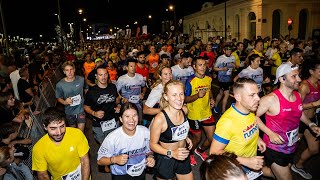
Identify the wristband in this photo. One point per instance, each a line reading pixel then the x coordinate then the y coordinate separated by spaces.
pixel 111 160
pixel 312 124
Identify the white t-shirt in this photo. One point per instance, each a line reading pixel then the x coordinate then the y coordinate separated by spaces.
pixel 154 96
pixel 181 74
pixel 14 77
pixel 136 146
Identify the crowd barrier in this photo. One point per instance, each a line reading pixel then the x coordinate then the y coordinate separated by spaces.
pixel 33 127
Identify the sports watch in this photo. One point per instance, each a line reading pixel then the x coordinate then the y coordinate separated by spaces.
pixel 169 153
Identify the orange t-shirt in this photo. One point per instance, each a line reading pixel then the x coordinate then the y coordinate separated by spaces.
pixel 112 73
pixel 88 67
pixel 153 62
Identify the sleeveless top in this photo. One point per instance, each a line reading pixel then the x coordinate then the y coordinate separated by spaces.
pixel 286 123
pixel 313 95
pixel 174 133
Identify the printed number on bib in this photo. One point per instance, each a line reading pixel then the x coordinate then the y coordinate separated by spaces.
pixel 180 132
pixel 136 169
pixel 76 100
pixel 74 175
pixel 108 125
pixel 293 136
pixel 134 99
pixel 229 72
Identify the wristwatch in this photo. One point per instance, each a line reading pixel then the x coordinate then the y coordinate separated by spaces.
pixel 169 153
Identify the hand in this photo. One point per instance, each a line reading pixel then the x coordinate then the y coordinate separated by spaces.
pixel 124 100
pixel 212 103
pixel 121 159
pixel 99 114
pixel 2 171
pixel 255 163
pixel 316 130
pixel 267 80
pixel 68 101
pixel 141 96
pixel 180 154
pixel 225 68
pixel 275 138
pixel 261 145
pixel 189 143
pixel 316 103
pixel 117 108
pixel 202 93
pixel 150 162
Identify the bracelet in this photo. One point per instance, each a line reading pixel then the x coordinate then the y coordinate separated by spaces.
pixel 312 124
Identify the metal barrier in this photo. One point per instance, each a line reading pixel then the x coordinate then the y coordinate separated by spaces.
pixel 33 128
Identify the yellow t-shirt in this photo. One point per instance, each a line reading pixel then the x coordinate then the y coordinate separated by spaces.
pixel 200 108
pixel 60 159
pixel 239 132
pixel 277 61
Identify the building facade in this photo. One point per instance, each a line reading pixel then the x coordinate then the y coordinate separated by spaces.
pixel 254 18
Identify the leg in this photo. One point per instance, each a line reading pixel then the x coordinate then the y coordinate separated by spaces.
pixel 218 98
pixel 209 130
pixel 81 126
pixel 313 148
pixel 225 100
pixel 185 176
pixel 281 173
pixel 196 138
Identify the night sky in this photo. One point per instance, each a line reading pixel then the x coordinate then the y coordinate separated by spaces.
pixel 33 17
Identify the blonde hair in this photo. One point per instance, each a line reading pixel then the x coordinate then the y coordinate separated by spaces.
pixel 163 102
pixel 159 73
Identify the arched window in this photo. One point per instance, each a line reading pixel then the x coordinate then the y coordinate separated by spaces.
pixel 303 19
pixel 276 18
pixel 252 25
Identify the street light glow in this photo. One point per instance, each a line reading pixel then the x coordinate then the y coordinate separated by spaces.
pixel 80 11
pixel 84 19
pixel 149 16
pixel 171 7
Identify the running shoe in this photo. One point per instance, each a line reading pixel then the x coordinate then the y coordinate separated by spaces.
pixel 193 161
pixel 202 155
pixel 301 171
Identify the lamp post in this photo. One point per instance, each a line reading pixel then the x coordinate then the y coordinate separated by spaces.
pixel 4 29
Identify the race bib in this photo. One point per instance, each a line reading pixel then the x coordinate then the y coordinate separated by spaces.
pixel 293 136
pixel 108 125
pixel 229 72
pixel 252 174
pixel 74 175
pixel 180 132
pixel 134 99
pixel 76 100
pixel 154 65
pixel 242 63
pixel 136 169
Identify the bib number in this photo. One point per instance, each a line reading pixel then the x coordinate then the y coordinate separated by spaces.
pixel 134 99
pixel 76 100
pixel 136 169
pixel 229 72
pixel 180 132
pixel 74 175
pixel 293 136
pixel 108 125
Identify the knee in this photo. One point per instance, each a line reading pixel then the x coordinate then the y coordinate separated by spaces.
pixel 313 150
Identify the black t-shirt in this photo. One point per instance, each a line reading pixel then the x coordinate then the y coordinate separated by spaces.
pixel 91 76
pixel 23 85
pixel 102 99
pixel 7 115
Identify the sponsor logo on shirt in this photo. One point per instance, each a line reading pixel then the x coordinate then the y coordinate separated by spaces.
pixel 250 131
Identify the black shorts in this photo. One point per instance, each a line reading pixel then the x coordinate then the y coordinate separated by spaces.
pixel 195 126
pixel 127 177
pixel 303 127
pixel 281 159
pixel 76 118
pixel 167 168
pixel 225 86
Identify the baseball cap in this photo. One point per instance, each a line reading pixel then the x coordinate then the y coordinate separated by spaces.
pixel 98 59
pixel 284 69
pixel 164 56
